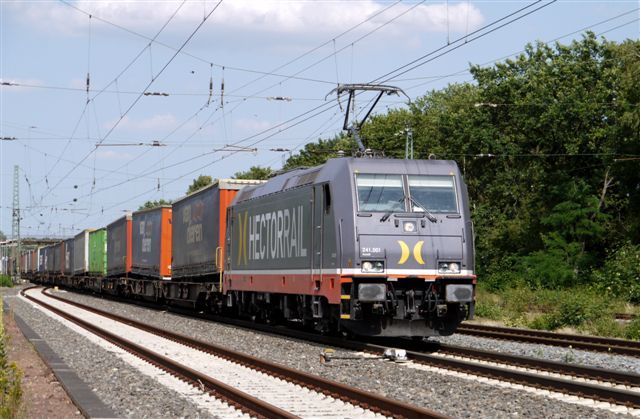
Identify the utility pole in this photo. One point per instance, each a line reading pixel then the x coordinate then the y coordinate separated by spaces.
pixel 15 227
pixel 408 145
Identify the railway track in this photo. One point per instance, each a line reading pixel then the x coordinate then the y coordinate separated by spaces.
pixel 253 386
pixel 589 343
pixel 610 386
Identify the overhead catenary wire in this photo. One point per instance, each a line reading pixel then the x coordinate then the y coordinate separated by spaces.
pixel 433 79
pixel 321 105
pixel 458 42
pixel 115 125
pixel 505 104
pixel 106 86
pixel 186 53
pixel 314 49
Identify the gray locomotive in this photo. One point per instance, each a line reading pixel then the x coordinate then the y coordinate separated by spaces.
pixel 372 246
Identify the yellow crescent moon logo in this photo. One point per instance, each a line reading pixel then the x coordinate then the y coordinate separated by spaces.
pixel 405 252
pixel 417 252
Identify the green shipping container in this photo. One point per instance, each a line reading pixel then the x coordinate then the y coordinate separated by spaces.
pixel 98 252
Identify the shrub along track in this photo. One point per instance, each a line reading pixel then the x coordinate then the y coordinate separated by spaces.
pixel 240 400
pixel 603 384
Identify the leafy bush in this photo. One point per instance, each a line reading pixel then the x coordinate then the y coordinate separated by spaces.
pixel 620 275
pixel 575 308
pixel 489 310
pixel 632 331
pixel 5 281
pixel 604 326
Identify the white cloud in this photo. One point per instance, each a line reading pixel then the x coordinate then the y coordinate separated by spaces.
pixel 112 155
pixel 161 122
pixel 250 125
pixel 303 18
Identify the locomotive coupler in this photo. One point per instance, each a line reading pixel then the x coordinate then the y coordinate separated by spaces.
pixel 441 309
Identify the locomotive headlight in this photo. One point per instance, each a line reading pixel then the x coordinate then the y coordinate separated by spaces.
pixel 459 293
pixel 448 268
pixel 409 226
pixel 372 292
pixel 372 266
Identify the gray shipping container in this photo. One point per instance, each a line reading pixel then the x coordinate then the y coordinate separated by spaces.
pixel 68 256
pixel 151 242
pixel 117 244
pixel 42 259
pixel 49 259
pixel 81 252
pixel 198 220
pixel 57 258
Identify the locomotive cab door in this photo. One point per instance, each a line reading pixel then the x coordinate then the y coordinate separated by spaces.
pixel 317 234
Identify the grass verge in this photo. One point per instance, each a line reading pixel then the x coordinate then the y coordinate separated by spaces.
pixel 10 381
pixel 581 309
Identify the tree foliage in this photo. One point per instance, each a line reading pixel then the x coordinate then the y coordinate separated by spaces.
pixel 317 153
pixel 199 183
pixel 3 237
pixel 154 204
pixel 255 172
pixel 549 144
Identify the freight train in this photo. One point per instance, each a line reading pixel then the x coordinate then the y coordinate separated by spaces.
pixel 376 247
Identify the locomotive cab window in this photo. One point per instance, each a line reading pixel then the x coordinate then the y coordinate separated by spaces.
pixel 380 193
pixel 436 193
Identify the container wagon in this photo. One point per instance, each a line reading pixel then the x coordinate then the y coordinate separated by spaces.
pixel 151 243
pixel 98 252
pixel 199 229
pixel 119 248
pixel 81 252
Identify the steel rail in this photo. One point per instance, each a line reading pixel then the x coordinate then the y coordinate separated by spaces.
pixel 334 389
pixel 566 386
pixel 591 343
pixel 237 398
pixel 597 374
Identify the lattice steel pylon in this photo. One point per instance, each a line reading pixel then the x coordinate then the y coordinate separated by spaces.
pixel 15 226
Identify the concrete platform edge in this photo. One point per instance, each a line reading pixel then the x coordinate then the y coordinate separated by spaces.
pixel 85 400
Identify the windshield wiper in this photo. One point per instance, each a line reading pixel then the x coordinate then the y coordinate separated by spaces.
pixel 430 216
pixel 386 216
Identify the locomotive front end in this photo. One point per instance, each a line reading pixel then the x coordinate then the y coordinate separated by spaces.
pixel 412 269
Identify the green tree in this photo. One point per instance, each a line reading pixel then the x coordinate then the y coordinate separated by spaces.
pixel 199 183
pixel 255 172
pixel 314 154
pixel 154 204
pixel 548 143
pixel 3 237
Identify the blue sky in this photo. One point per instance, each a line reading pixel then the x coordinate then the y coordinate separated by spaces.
pixel 80 161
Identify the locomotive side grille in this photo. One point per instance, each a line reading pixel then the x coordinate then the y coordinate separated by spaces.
pixel 307 178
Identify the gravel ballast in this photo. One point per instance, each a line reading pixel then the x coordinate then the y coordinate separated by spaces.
pixel 446 394
pixel 551 353
pixel 122 387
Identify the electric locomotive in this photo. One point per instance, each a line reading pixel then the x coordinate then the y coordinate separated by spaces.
pixel 377 247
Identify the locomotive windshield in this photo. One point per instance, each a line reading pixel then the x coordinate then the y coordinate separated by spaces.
pixel 380 192
pixel 435 193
